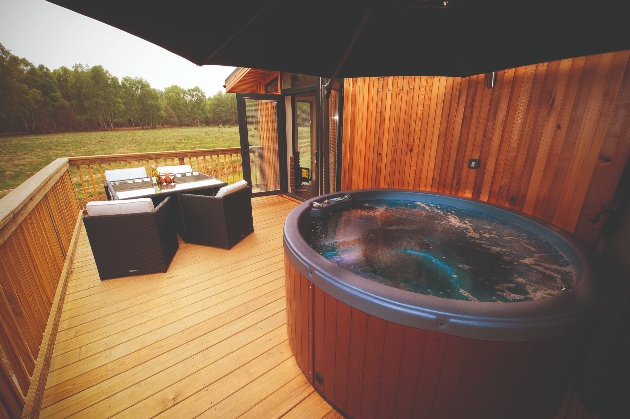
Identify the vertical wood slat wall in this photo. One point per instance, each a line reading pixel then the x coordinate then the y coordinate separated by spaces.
pixel 553 138
pixel 33 247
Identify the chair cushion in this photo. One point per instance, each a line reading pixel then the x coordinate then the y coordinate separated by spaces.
pixel 183 168
pixel 121 206
pixel 226 190
pixel 124 174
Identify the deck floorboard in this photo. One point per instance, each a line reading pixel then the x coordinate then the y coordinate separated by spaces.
pixel 206 339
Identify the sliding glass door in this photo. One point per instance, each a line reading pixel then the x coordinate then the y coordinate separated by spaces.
pixel 261 128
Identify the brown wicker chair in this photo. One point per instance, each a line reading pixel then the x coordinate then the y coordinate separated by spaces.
pixel 218 221
pixel 122 174
pixel 133 244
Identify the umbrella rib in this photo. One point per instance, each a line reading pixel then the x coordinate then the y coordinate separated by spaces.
pixel 345 55
pixel 240 30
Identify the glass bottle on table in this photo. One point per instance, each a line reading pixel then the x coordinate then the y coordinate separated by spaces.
pixel 154 175
pixel 156 178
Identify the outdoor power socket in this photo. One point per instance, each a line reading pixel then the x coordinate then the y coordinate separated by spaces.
pixel 474 164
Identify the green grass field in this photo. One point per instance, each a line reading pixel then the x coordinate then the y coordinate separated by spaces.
pixel 25 155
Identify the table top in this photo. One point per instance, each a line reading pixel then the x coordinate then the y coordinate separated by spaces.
pixel 141 188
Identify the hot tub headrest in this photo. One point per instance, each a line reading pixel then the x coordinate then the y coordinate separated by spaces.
pixel 325 207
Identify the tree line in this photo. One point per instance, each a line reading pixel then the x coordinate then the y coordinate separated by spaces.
pixel 34 99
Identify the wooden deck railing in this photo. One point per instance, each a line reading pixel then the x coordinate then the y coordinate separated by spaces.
pixel 88 172
pixel 38 228
pixel 39 223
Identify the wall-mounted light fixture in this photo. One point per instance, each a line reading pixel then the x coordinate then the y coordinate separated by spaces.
pixel 442 4
pixel 490 79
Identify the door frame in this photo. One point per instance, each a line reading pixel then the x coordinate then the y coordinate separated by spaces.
pixel 325 140
pixel 282 140
pixel 315 126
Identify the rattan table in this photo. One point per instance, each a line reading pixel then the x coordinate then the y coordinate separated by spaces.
pixel 143 188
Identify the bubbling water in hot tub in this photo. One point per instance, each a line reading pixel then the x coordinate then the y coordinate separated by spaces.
pixel 444 251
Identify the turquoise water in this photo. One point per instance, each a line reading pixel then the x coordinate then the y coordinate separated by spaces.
pixel 442 251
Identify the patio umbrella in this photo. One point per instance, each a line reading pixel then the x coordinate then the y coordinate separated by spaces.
pixel 354 38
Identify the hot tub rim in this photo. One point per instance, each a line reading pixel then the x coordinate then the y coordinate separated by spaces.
pixel 517 321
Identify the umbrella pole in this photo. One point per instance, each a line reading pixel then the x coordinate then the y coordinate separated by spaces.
pixel 328 87
pixel 216 51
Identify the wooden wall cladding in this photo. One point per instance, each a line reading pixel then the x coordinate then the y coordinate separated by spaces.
pixel 374 368
pixel 553 138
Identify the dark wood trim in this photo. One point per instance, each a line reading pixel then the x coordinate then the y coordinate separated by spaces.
pixel 325 146
pixel 242 129
pixel 282 145
pixel 339 161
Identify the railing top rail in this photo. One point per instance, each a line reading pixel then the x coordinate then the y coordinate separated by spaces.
pixel 153 155
pixel 16 205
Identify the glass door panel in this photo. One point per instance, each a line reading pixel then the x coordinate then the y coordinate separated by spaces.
pixel 305 145
pixel 262 141
pixel 304 139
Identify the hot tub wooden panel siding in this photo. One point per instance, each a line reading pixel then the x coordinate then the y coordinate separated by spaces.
pixel 374 368
pixel 299 295
pixel 553 138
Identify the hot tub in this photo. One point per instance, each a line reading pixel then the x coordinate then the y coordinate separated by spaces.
pixel 409 304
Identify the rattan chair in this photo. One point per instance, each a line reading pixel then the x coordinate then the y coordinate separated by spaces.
pixel 123 174
pixel 182 168
pixel 133 244
pixel 218 221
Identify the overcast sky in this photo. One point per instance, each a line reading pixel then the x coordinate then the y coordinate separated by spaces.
pixel 47 34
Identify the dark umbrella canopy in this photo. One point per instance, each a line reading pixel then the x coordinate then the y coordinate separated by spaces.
pixel 377 38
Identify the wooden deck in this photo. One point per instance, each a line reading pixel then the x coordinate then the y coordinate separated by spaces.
pixel 208 338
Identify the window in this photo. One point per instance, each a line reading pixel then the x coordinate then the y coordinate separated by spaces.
pixel 293 81
pixel 272 86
